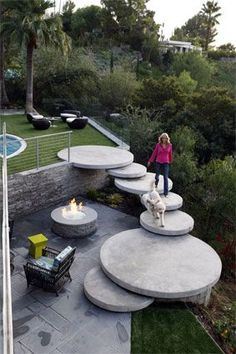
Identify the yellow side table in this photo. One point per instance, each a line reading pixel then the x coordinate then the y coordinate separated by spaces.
pixel 37 243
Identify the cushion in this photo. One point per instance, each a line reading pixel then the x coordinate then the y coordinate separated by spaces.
pixel 61 256
pixel 44 262
pixel 37 116
pixel 70 120
pixel 68 115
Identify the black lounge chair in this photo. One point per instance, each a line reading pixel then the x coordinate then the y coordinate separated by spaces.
pixel 41 123
pixel 71 111
pixel 31 116
pixel 77 123
pixel 51 271
pixel 66 115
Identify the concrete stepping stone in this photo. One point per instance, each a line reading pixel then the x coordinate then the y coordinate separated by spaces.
pixel 97 157
pixel 176 223
pixel 172 202
pixel 141 185
pixel 134 170
pixel 161 267
pixel 102 292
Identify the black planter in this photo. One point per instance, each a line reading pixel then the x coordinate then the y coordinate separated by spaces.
pixel 77 123
pixel 41 123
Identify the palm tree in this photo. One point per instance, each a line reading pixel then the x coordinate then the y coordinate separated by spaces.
pixel 210 13
pixel 28 24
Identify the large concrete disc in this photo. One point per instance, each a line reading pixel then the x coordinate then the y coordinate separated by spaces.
pixel 103 292
pixel 97 157
pixel 172 202
pixel 176 223
pixel 134 170
pixel 141 185
pixel 161 267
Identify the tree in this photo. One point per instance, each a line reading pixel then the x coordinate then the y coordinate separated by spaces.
pixel 210 14
pixel 228 46
pixel 193 31
pixel 67 13
pixel 201 28
pixel 197 65
pixel 28 24
pixel 135 23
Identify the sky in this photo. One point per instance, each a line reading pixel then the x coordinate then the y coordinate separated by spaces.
pixel 174 13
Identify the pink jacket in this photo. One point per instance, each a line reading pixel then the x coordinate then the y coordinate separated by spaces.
pixel 161 154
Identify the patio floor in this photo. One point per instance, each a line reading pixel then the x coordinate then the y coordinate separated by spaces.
pixel 69 323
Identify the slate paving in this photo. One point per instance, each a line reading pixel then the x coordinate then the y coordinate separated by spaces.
pixel 69 323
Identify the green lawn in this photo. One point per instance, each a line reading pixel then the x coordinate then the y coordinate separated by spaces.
pixel 48 146
pixel 169 328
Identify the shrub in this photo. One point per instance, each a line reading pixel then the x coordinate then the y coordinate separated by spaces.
pixel 155 93
pixel 198 66
pixel 144 133
pixel 117 89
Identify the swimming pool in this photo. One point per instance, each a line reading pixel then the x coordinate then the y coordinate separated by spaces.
pixel 15 145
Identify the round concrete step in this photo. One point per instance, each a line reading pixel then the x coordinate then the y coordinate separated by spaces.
pixel 102 292
pixel 161 267
pixel 134 170
pixel 141 185
pixel 177 223
pixel 97 157
pixel 172 202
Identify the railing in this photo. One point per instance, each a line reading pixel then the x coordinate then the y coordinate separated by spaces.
pixel 6 270
pixel 40 151
pixel 119 126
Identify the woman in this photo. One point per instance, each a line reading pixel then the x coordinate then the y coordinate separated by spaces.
pixel 162 157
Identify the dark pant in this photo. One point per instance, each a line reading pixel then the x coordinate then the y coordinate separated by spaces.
pixel 165 171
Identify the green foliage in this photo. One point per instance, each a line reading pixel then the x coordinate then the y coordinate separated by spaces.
pixel 117 89
pixel 184 169
pixel 144 133
pixel 214 113
pixel 210 13
pixel 135 24
pixel 156 93
pixel 199 67
pixel 224 76
pixel 115 199
pixel 187 83
pixel 74 79
pixel 192 31
pixel 221 53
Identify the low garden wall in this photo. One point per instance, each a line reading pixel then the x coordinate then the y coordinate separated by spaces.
pixel 37 189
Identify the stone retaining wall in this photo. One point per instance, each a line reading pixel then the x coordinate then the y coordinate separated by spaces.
pixel 37 189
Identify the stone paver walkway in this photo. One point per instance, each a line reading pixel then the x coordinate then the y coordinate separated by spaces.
pixel 45 323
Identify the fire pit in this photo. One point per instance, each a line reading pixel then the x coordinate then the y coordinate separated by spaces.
pixel 74 221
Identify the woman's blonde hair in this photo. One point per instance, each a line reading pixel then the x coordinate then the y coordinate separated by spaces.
pixel 164 135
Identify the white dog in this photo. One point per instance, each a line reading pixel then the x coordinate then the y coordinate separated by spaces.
pixel 154 204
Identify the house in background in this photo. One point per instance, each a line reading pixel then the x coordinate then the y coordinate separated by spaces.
pixel 179 46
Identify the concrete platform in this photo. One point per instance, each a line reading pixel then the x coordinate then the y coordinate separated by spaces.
pixel 97 157
pixel 160 267
pixel 135 170
pixel 141 185
pixel 102 292
pixel 173 202
pixel 177 223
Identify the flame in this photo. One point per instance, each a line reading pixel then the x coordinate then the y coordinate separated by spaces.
pixel 74 207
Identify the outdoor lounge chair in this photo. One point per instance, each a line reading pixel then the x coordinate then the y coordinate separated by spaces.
pixel 31 116
pixel 50 271
pixel 71 111
pixel 77 123
pixel 41 123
